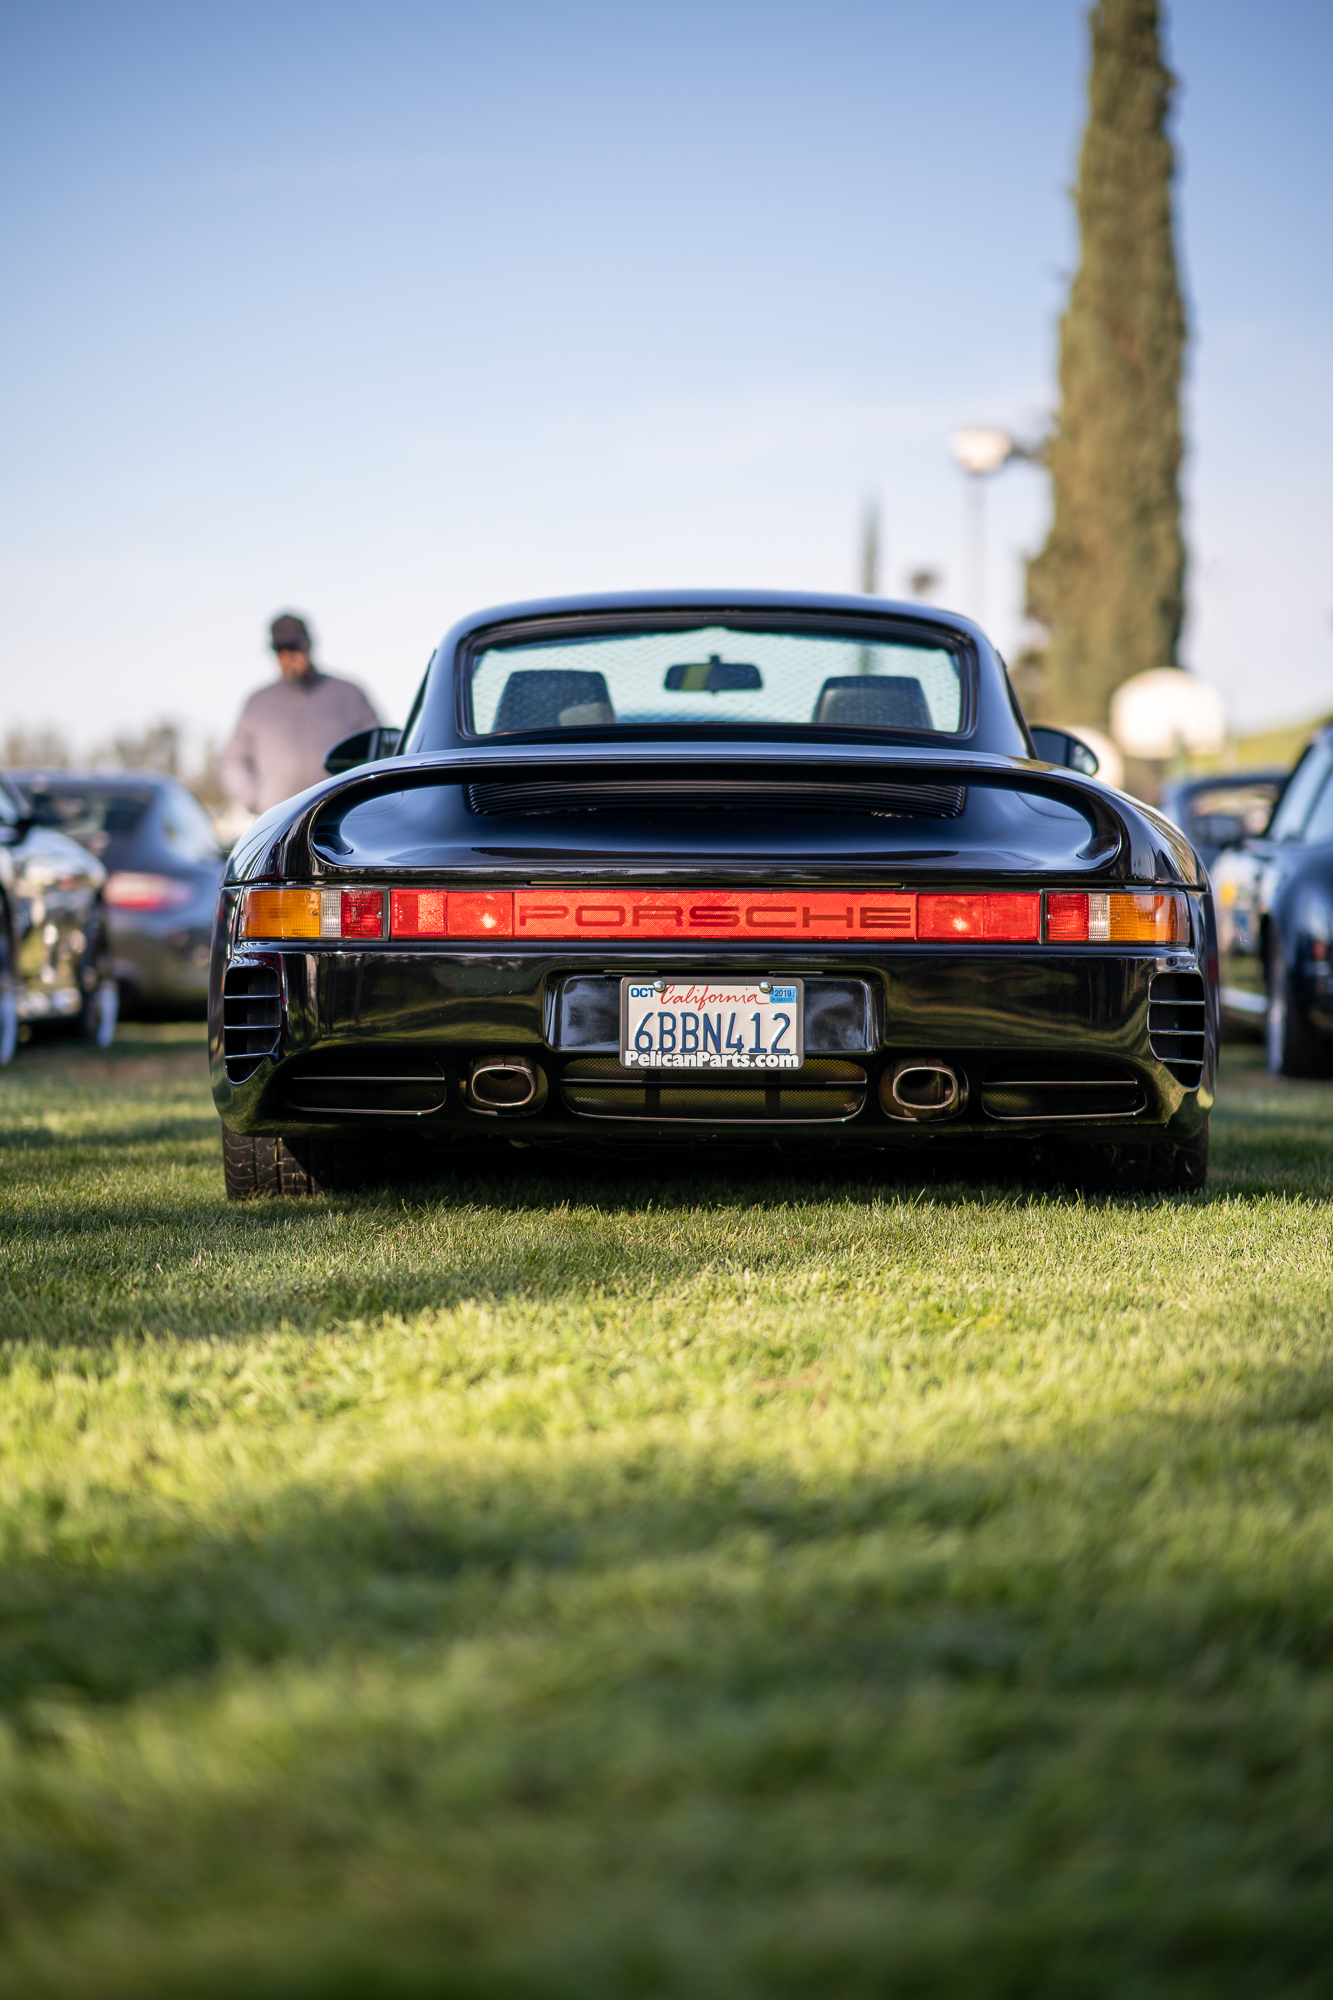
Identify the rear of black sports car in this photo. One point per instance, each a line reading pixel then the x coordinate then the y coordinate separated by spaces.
pixel 706 872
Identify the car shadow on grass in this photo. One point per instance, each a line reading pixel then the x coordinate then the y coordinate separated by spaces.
pixel 801 1721
pixel 485 1541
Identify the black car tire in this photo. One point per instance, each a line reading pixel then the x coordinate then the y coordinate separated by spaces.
pixel 101 1014
pixel 9 1006
pixel 265 1163
pixel 1291 1045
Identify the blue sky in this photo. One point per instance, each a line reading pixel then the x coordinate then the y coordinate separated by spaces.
pixel 385 313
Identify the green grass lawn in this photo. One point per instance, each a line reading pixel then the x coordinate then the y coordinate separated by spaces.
pixel 583 1581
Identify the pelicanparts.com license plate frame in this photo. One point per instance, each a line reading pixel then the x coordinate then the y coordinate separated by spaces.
pixel 767 1047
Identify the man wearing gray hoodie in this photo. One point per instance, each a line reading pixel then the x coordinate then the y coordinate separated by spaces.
pixel 287 729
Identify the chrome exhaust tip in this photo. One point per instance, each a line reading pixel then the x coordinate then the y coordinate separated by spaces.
pixel 922 1088
pixel 497 1085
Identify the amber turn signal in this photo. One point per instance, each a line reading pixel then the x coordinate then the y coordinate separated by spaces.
pixel 281 913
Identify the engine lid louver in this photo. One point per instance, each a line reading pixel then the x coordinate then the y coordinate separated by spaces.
pixel 715 793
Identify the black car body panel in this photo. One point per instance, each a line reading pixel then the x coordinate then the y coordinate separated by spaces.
pixel 14 824
pixel 1090 1041
pixel 1223 810
pixel 1275 921
pixel 163 868
pixel 57 925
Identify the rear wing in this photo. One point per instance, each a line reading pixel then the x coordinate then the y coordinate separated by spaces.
pixel 1125 837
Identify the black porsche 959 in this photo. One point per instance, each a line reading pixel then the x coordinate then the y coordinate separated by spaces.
pixel 712 870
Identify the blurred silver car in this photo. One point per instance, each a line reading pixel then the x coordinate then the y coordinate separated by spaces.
pixel 58 943
pixel 163 866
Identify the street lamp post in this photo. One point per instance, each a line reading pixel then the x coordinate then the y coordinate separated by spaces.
pixel 981 451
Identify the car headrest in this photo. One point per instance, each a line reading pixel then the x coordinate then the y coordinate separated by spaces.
pixel 540 698
pixel 873 701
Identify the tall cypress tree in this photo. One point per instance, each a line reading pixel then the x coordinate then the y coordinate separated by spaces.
pixel 1109 583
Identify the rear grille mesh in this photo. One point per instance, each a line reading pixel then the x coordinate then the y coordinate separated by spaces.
pixel 826 1093
pixel 715 794
pixel 1178 1024
pixel 1050 1087
pixel 251 1018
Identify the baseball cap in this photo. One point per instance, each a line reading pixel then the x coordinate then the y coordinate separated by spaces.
pixel 289 634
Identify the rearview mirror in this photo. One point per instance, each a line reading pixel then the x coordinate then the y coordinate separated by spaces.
pixel 364 748
pixel 713 676
pixel 1057 746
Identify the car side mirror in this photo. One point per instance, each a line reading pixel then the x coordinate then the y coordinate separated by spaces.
pixel 1223 829
pixel 1058 746
pixel 363 748
pixel 13 832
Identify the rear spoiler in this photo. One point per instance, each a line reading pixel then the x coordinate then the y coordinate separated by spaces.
pixel 1148 848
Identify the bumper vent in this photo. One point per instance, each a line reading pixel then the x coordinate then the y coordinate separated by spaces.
pixel 251 1018
pixel 407 1088
pixel 714 794
pixel 1051 1087
pixel 820 1093
pixel 1178 1024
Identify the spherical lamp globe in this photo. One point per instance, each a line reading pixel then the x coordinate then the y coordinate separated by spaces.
pixel 1166 710
pixel 981 449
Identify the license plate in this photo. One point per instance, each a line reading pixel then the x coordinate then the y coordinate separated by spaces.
pixel 714 1024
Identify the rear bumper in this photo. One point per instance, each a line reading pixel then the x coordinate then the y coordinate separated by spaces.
pixel 162 956
pixel 992 1013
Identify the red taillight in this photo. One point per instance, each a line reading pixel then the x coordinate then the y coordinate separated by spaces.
pixel 481 913
pixel 459 913
pixel 994 918
pixel 362 913
pixel 1131 917
pixel 418 913
pixel 1066 919
pixel 126 890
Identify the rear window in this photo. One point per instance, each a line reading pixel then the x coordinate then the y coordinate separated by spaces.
pixel 91 816
pixel 1293 808
pixel 1231 811
pixel 187 828
pixel 716 675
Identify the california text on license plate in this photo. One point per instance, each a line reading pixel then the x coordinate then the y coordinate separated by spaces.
pixel 720 1024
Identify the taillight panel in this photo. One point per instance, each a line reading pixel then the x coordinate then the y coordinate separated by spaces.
pixel 1052 917
pixel 1131 917
pixel 129 889
pixel 988 918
